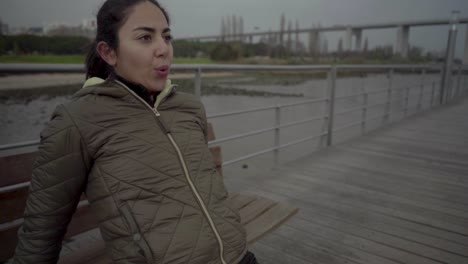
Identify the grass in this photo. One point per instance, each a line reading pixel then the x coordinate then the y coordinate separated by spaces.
pixel 211 88
pixel 78 59
pixel 193 61
pixel 42 58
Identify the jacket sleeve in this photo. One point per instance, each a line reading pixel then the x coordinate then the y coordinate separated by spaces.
pixel 59 177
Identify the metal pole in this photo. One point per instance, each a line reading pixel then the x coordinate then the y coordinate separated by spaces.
pixel 277 133
pixel 331 103
pixel 432 94
pixel 457 92
pixel 423 77
pixel 406 101
pixel 198 82
pixel 364 114
pixel 447 72
pixel 389 96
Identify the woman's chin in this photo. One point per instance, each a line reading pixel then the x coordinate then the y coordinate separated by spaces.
pixel 157 86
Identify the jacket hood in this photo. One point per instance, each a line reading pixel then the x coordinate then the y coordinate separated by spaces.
pixel 116 89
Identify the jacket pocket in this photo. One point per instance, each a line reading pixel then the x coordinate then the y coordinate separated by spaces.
pixel 136 234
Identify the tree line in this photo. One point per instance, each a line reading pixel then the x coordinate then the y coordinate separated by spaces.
pixel 217 51
pixel 32 44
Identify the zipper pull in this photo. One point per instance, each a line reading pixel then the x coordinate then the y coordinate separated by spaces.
pixel 156 112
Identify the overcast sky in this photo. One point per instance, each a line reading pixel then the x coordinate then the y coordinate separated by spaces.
pixel 202 17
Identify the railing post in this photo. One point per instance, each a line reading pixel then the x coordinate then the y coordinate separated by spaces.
pixel 406 101
pixel 331 103
pixel 433 94
pixel 457 92
pixel 364 113
pixel 464 87
pixel 445 94
pixel 423 77
pixel 277 133
pixel 198 82
pixel 388 109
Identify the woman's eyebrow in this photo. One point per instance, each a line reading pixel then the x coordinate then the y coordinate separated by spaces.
pixel 151 30
pixel 148 29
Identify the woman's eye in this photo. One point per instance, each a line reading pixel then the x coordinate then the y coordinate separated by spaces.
pixel 168 38
pixel 146 37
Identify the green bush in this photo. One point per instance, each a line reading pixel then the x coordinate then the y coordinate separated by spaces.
pixel 226 52
pixel 31 44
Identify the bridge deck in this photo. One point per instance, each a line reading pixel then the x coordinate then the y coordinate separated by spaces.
pixel 398 195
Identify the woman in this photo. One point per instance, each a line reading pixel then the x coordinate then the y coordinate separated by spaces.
pixel 138 149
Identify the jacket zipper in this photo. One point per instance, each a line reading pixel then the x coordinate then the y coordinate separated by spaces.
pixel 187 174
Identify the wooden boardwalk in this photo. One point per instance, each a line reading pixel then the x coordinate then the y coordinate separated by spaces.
pixel 397 195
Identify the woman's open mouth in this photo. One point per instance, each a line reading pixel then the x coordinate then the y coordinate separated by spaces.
pixel 162 71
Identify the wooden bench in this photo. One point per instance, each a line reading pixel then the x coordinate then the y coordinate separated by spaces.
pixel 259 215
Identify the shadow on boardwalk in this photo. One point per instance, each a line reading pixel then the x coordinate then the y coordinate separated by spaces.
pixel 398 195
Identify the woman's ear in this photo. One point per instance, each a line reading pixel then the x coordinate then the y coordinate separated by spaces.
pixel 107 53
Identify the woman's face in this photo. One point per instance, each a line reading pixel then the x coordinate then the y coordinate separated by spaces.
pixel 144 52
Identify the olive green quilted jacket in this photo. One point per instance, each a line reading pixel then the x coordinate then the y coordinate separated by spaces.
pixel 147 173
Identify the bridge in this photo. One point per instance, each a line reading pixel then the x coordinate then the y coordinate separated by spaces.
pixel 384 176
pixel 402 36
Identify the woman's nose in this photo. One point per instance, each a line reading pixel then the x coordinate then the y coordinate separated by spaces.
pixel 162 48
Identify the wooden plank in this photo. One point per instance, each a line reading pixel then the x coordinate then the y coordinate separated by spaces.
pixel 16 168
pixel 373 204
pixel 385 183
pixel 217 159
pixel 314 250
pixel 268 221
pixel 240 200
pixel 267 254
pixel 393 163
pixel 12 205
pixel 83 220
pixel 423 154
pixel 382 242
pixel 211 134
pixel 92 253
pixel 360 216
pixel 351 249
pixel 432 180
pixel 255 209
pixel 351 182
pixel 436 142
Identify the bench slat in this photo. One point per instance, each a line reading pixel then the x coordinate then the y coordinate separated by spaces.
pixel 258 214
pixel 16 168
pixel 269 221
pixel 83 220
pixel 13 204
pixel 256 208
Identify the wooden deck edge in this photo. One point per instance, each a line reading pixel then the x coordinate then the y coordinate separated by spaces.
pixel 274 227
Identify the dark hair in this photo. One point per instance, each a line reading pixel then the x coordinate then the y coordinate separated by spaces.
pixel 111 16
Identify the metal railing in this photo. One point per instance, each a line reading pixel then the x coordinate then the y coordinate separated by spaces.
pixel 437 94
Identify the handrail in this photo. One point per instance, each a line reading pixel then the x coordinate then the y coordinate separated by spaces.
pixel 80 68
pixel 332 70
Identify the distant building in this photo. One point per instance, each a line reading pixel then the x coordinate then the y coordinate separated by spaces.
pixel 86 29
pixel 89 24
pixel 35 31
pixel 3 28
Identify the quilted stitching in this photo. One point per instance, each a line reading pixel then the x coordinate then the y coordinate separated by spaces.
pixel 111 189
